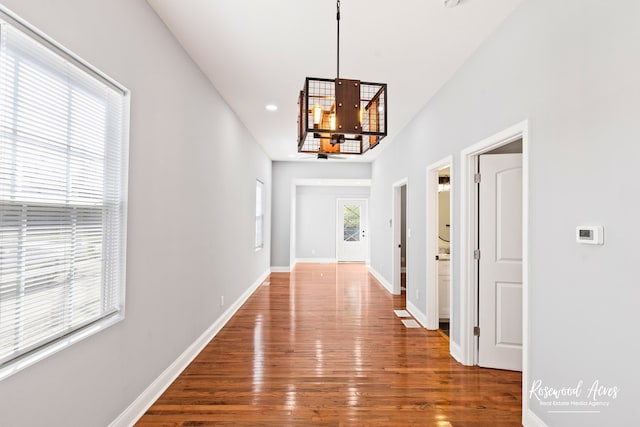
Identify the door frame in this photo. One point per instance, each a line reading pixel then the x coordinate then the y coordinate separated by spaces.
pixel 469 240
pixel 366 218
pixel 432 310
pixel 293 191
pixel 396 234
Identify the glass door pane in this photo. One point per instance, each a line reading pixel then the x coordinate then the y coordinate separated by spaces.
pixel 351 223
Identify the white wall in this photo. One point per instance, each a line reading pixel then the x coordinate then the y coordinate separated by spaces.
pixel 284 174
pixel 193 167
pixel 316 219
pixel 571 68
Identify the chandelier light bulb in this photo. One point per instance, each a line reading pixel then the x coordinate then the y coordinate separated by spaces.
pixel 317 114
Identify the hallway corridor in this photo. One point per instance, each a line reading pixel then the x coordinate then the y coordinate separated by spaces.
pixel 321 346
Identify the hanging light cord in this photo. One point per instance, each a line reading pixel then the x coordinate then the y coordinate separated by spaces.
pixel 338 38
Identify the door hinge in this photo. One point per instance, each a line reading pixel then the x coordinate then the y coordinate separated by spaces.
pixel 476 254
pixel 476 178
pixel 476 331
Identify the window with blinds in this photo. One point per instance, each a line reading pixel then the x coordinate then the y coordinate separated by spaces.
pixel 259 214
pixel 63 159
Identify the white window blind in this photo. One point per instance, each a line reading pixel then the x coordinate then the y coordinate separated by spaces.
pixel 259 214
pixel 63 148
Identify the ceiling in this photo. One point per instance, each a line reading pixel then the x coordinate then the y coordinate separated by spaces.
pixel 258 52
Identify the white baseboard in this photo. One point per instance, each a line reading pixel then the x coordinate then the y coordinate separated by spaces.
pixel 381 279
pixel 532 420
pixel 316 260
pixel 280 269
pixel 139 406
pixel 455 351
pixel 417 314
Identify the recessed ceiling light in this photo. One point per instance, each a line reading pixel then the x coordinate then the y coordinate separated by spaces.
pixel 451 3
pixel 271 107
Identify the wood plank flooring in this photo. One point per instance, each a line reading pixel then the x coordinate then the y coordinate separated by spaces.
pixel 322 346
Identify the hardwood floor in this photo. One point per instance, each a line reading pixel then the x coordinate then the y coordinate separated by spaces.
pixel 322 346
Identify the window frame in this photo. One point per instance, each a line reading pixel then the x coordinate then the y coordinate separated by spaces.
pixel 32 354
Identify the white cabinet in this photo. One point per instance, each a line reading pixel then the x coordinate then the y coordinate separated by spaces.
pixel 444 278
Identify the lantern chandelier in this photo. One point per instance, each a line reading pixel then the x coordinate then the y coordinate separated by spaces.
pixel 341 116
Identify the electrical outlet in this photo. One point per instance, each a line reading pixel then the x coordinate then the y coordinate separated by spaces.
pixel 221 300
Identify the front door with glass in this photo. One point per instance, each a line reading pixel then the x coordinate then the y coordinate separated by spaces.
pixel 351 233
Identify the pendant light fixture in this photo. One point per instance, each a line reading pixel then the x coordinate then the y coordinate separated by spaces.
pixel 444 184
pixel 341 116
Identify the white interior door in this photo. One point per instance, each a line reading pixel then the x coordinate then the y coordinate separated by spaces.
pixel 500 265
pixel 351 230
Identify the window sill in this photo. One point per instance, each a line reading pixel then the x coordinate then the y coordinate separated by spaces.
pixel 54 347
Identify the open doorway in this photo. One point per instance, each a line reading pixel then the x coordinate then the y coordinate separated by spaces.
pixel 403 242
pixel 439 249
pixel 400 236
pixel 444 249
